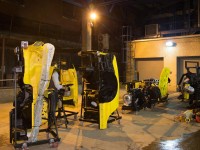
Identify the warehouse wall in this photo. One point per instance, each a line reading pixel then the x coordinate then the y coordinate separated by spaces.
pixel 186 46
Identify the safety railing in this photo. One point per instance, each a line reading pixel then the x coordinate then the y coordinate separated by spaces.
pixel 7 83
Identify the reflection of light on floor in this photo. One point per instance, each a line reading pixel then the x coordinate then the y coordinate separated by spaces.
pixel 170 145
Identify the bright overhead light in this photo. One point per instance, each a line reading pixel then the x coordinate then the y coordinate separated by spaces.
pixel 170 44
pixel 93 15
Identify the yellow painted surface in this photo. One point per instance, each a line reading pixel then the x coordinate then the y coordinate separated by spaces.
pixel 186 94
pixel 106 109
pixel 137 84
pixel 163 82
pixel 70 77
pixel 186 46
pixel 32 72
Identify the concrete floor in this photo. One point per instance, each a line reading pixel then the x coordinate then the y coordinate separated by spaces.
pixel 135 132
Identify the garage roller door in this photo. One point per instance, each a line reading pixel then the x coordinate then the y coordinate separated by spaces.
pixel 149 67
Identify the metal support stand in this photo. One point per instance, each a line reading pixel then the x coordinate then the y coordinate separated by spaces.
pixel 15 131
pixel 62 113
pixel 94 112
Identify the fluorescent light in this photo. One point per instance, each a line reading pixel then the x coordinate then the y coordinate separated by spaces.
pixel 170 44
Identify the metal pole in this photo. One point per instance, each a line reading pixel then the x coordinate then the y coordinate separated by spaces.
pixel 89 35
pixel 86 32
pixel 15 94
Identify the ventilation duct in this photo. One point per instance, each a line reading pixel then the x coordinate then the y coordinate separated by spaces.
pixel 151 30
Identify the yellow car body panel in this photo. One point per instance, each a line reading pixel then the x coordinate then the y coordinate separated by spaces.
pixel 163 82
pixel 106 109
pixel 69 76
pixel 32 73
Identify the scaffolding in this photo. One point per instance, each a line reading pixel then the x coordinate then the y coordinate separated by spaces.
pixel 127 54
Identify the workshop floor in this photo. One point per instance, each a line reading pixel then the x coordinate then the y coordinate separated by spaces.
pixel 145 130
